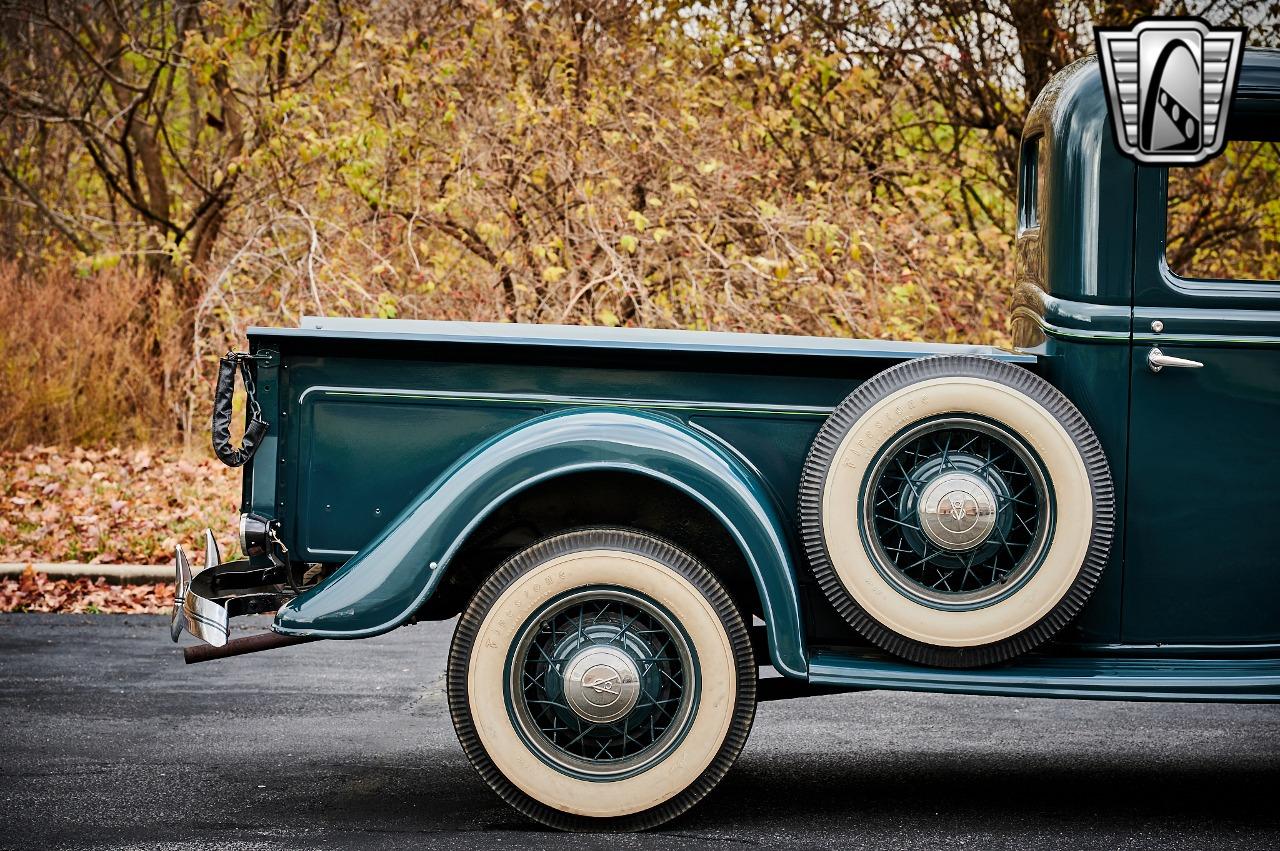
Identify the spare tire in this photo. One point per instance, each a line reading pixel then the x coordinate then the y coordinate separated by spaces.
pixel 956 510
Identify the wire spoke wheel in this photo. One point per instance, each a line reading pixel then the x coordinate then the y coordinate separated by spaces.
pixel 602 683
pixel 957 511
pixel 602 679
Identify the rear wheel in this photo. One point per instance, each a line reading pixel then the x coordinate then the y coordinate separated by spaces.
pixel 602 679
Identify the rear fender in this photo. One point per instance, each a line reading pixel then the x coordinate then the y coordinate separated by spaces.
pixel 382 586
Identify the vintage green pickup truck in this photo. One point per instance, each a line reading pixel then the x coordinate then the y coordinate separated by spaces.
pixel 643 532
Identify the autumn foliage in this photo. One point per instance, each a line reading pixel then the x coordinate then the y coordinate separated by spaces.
pixel 112 506
pixel 35 592
pixel 733 167
pixel 172 172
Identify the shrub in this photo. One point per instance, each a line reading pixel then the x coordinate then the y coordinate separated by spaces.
pixel 78 361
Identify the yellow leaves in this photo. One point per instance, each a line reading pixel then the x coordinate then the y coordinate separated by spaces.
pixel 824 237
pixel 388 306
pixel 767 209
pixel 723 196
pixel 99 262
pixel 679 189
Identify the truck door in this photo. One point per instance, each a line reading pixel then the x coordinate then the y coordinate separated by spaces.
pixel 1203 545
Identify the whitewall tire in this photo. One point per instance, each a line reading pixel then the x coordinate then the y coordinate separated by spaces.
pixel 957 511
pixel 602 680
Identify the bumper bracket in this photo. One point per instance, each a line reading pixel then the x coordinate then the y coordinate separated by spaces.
pixel 204 601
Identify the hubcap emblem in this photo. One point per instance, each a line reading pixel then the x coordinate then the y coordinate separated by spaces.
pixel 957 511
pixel 601 684
pixel 602 680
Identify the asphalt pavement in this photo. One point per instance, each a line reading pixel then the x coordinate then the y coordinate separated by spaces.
pixel 107 740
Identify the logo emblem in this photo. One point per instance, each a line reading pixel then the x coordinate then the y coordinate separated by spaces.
pixel 603 683
pixel 957 508
pixel 1169 83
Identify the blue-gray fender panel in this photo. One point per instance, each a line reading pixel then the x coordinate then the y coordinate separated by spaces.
pixel 381 586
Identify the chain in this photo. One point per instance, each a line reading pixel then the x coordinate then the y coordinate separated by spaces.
pixel 250 389
pixel 274 537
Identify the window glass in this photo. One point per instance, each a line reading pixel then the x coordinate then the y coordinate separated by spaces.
pixel 1033 177
pixel 1224 216
pixel 1042 176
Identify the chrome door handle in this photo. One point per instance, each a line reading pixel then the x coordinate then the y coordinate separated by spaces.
pixel 1158 360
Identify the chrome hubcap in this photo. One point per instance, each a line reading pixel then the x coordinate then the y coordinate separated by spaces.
pixel 601 684
pixel 957 511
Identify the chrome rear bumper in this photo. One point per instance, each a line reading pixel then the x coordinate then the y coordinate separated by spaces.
pixel 205 600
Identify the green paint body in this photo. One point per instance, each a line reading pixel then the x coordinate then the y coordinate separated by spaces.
pixel 388 447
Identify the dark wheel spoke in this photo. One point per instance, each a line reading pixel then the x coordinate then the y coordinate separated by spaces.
pixel 956 569
pixel 636 653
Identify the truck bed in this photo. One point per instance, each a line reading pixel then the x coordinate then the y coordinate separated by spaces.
pixel 365 413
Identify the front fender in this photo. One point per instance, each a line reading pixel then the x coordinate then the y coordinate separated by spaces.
pixel 381 586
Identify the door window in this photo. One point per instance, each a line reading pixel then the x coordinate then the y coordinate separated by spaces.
pixel 1223 219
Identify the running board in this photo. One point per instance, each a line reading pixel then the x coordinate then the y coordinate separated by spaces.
pixel 1085 677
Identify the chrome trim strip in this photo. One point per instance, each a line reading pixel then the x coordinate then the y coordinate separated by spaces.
pixel 1234 288
pixel 1206 340
pixel 1063 332
pixel 1210 651
pixel 1095 336
pixel 1145 338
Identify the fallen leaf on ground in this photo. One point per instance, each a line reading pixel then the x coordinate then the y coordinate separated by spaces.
pixel 71 504
pixel 36 592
